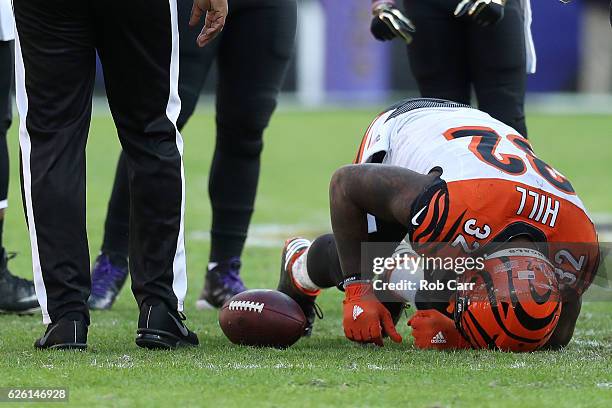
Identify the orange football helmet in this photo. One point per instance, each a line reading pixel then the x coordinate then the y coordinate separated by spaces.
pixel 514 303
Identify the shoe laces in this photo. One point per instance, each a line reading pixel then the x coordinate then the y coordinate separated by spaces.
pixel 105 275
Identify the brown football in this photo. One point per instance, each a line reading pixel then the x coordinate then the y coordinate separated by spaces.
pixel 262 318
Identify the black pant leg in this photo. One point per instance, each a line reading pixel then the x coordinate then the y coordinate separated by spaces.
pixel 438 52
pixel 139 53
pixel 253 56
pixel 7 56
pixel 498 66
pixel 195 62
pixel 55 69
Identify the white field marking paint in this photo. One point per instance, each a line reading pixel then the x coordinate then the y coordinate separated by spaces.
pixel 603 223
pixel 287 366
pixel 272 235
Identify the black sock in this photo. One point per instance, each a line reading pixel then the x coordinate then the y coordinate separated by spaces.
pixel 1 234
pixel 116 227
pixel 232 187
pixel 323 262
pixel 117 259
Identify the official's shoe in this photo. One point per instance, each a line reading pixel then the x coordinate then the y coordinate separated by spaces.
pixel 162 328
pixel 107 279
pixel 66 334
pixel 17 295
pixel 294 247
pixel 221 283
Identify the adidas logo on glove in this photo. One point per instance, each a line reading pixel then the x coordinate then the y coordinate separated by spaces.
pixel 357 310
pixel 439 339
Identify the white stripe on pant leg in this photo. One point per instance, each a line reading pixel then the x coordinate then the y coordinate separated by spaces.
pixel 179 266
pixel 26 147
pixel 529 45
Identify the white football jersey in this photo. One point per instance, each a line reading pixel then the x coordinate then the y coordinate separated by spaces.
pixel 465 143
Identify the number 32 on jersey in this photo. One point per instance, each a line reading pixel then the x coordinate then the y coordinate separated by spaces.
pixel 484 145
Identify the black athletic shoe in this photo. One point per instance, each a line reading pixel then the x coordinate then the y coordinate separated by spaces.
pixel 162 328
pixel 66 334
pixel 222 282
pixel 17 295
pixel 294 247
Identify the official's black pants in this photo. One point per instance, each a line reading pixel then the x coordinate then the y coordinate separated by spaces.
pixel 448 56
pixel 252 54
pixel 137 41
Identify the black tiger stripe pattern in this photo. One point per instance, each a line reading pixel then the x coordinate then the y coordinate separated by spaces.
pixel 495 308
pixel 436 200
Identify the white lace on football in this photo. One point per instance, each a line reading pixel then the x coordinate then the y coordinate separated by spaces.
pixel 246 305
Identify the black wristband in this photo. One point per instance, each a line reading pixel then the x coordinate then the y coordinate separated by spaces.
pixel 351 279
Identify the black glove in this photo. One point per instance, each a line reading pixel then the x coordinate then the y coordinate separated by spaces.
pixel 482 12
pixel 388 22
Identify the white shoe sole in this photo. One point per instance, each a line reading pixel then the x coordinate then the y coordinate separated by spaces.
pixel 202 304
pixel 21 312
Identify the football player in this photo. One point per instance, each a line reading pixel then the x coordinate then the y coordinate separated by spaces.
pixel 459 49
pixel 436 171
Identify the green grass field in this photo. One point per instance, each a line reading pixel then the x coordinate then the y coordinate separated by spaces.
pixel 302 150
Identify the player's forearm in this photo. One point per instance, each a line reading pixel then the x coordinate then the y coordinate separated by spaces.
pixel 349 222
pixel 387 192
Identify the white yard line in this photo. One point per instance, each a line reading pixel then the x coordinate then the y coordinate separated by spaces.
pixel 273 235
pixel 603 221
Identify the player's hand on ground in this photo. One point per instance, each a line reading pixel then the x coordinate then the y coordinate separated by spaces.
pixel 482 12
pixel 388 23
pixel 215 12
pixel 365 318
pixel 433 330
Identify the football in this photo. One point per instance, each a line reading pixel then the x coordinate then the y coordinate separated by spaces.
pixel 262 318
